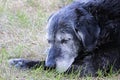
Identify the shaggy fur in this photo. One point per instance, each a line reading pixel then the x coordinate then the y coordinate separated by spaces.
pixel 83 37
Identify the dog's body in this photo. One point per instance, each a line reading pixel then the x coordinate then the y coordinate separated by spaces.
pixel 85 36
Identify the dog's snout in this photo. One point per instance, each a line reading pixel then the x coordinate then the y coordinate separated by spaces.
pixel 51 57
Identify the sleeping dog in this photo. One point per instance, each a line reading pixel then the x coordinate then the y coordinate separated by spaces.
pixel 83 37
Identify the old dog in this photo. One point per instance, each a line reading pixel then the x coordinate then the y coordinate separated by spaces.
pixel 83 37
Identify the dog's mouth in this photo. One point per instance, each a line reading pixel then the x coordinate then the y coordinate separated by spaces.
pixel 62 65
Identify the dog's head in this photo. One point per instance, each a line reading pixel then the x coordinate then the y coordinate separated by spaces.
pixel 70 30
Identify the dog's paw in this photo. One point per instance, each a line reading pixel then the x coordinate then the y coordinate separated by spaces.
pixel 18 63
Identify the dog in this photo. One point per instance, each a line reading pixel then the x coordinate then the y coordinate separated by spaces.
pixel 83 37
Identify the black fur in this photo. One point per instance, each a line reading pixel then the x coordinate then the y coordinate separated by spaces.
pixel 99 45
pixel 106 51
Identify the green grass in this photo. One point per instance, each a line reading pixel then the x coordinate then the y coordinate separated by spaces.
pixel 22 31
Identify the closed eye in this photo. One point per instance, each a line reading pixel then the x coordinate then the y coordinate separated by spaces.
pixel 65 40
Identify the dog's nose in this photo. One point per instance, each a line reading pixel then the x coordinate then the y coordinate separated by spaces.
pixel 50 63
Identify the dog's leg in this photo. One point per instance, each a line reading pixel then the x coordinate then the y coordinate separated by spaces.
pixel 26 64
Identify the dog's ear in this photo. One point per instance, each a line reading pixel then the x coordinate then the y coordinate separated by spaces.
pixel 87 30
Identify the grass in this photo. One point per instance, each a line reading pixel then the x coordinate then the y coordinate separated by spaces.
pixel 22 31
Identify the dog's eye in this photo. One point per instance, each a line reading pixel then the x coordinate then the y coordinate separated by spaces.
pixel 64 40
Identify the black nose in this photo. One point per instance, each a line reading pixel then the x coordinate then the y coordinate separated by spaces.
pixel 50 63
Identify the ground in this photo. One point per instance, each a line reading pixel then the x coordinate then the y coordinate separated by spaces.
pixel 22 35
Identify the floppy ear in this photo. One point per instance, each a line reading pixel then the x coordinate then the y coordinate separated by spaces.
pixel 87 30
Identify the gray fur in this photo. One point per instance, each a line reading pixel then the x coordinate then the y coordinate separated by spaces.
pixel 83 37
